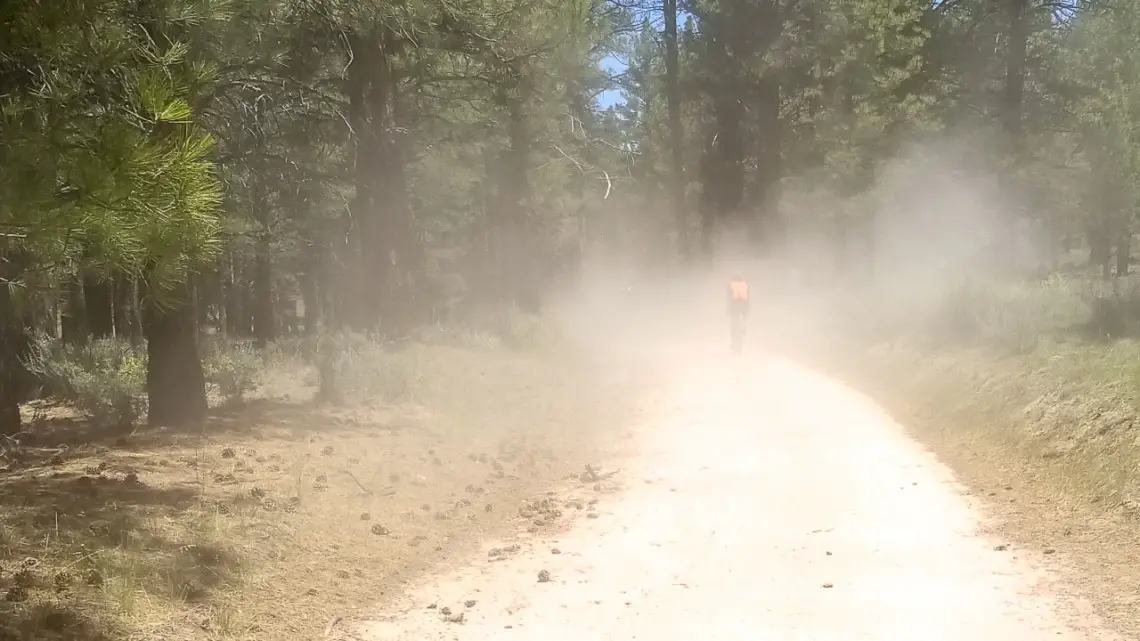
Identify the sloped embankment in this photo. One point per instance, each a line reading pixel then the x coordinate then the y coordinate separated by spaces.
pixel 1050 439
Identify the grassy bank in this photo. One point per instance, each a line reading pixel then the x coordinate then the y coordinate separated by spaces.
pixel 1067 410
pixel 1045 371
pixel 296 505
pixel 1030 401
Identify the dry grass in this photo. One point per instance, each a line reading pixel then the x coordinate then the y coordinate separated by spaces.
pixel 1069 408
pixel 283 514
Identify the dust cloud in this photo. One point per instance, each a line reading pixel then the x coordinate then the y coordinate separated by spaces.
pixel 936 219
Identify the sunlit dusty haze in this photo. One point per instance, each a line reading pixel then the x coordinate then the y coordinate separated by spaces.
pixel 569 320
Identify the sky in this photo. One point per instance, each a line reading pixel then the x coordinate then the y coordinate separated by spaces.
pixel 613 66
pixel 607 99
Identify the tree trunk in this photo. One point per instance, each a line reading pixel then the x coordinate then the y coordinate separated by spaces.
pixel 1100 248
pixel 175 382
pixel 364 252
pixel 707 201
pixel 13 349
pixel 126 309
pixel 98 298
pixel 264 320
pixel 213 299
pixel 1012 108
pixel 764 224
pixel 769 166
pixel 676 132
pixel 516 245
pixel 246 318
pixel 311 299
pixel 74 327
pixel 1013 99
pixel 1123 252
pixel 235 300
pixel 729 184
pixel 264 317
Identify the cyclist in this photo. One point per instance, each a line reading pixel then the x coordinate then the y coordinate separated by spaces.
pixel 737 309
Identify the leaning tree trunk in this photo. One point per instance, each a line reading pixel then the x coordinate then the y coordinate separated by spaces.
pixel 175 382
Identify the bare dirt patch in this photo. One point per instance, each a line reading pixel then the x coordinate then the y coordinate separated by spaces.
pixel 283 516
pixel 1045 441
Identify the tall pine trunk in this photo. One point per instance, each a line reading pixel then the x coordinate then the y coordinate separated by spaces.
pixel 13 349
pixel 360 298
pixel 264 319
pixel 235 300
pixel 1013 98
pixel 1017 14
pixel 766 226
pixel 128 322
pixel 1123 250
pixel 309 284
pixel 73 316
pixel 175 382
pixel 381 251
pixel 98 298
pixel 676 131
pixel 514 244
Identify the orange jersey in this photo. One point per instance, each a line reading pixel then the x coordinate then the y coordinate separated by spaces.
pixel 738 289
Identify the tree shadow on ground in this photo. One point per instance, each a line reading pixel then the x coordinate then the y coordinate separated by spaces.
pixel 52 620
pixel 68 501
pixel 75 544
pixel 265 420
pixel 48 442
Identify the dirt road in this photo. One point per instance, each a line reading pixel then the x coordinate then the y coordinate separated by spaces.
pixel 767 502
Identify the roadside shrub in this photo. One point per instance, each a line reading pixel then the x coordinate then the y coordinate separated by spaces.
pixel 463 337
pixel 105 378
pixel 354 367
pixel 1012 316
pixel 233 368
pixel 518 330
pixel 334 354
pixel 287 351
